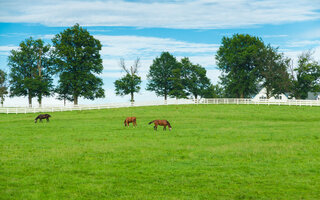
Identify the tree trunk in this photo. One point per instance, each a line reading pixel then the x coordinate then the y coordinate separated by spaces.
pixel 75 101
pixel 64 101
pixel 30 100
pixel 40 101
pixel 165 96
pixel 241 95
pixel 268 93
pixel 132 98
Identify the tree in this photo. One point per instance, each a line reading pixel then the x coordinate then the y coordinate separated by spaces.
pixel 178 88
pixel 195 78
pixel 63 88
pixel 306 77
pixel 77 61
pixel 3 86
pixel 160 76
pixel 213 91
pixel 274 73
pixel 30 70
pixel 130 83
pixel 240 58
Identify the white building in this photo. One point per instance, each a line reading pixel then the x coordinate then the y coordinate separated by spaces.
pixel 262 95
pixel 313 96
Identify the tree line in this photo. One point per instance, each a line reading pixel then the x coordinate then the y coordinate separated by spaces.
pixel 246 62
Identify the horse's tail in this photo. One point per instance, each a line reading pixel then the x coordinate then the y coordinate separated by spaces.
pixel 151 122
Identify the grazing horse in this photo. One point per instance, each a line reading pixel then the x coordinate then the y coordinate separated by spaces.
pixel 41 117
pixel 164 123
pixel 129 120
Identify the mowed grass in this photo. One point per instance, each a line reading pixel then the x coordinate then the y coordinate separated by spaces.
pixel 213 152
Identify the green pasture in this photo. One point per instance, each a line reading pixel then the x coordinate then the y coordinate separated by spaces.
pixel 212 152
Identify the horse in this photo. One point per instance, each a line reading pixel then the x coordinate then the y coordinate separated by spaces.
pixel 129 120
pixel 164 123
pixel 41 117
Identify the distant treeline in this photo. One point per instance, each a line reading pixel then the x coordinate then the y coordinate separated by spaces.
pixel 246 62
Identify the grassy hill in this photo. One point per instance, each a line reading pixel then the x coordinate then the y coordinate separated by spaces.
pixel 213 152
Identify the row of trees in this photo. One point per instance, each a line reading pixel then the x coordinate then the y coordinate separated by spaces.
pixel 74 57
pixel 167 77
pixel 247 65
pixel 246 62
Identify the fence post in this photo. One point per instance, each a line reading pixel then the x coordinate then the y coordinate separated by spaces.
pixel 7 110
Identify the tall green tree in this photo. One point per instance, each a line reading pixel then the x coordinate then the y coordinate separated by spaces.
pixel 178 87
pixel 63 89
pixel 195 78
pixel 77 62
pixel 160 75
pixel 240 58
pixel 274 73
pixel 3 86
pixel 30 70
pixel 130 83
pixel 306 76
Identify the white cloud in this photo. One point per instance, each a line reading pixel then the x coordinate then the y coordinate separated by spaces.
pixel 303 43
pixel 138 46
pixel 200 14
pixel 4 50
pixel 274 36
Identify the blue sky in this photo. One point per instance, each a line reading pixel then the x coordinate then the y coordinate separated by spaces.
pixel 145 28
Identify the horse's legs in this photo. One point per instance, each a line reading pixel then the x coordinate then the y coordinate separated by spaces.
pixel 48 119
pixel 165 127
pixel 40 120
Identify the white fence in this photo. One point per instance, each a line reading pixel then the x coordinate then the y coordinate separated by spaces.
pixel 17 110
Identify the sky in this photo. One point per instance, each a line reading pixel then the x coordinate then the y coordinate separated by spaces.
pixel 145 28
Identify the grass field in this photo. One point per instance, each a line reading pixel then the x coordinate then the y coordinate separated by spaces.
pixel 213 152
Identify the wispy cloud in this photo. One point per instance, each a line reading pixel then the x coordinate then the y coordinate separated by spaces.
pixel 133 46
pixel 274 36
pixel 4 50
pixel 200 14
pixel 303 43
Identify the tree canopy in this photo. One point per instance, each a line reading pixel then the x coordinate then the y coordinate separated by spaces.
pixel 130 83
pixel 160 76
pixel 78 62
pixel 3 86
pixel 195 78
pixel 30 70
pixel 240 58
pixel 274 72
pixel 306 76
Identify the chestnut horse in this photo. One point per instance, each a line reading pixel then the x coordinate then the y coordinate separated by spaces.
pixel 41 117
pixel 129 120
pixel 164 123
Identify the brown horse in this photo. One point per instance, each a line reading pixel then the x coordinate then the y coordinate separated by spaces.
pixel 164 123
pixel 129 120
pixel 41 117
